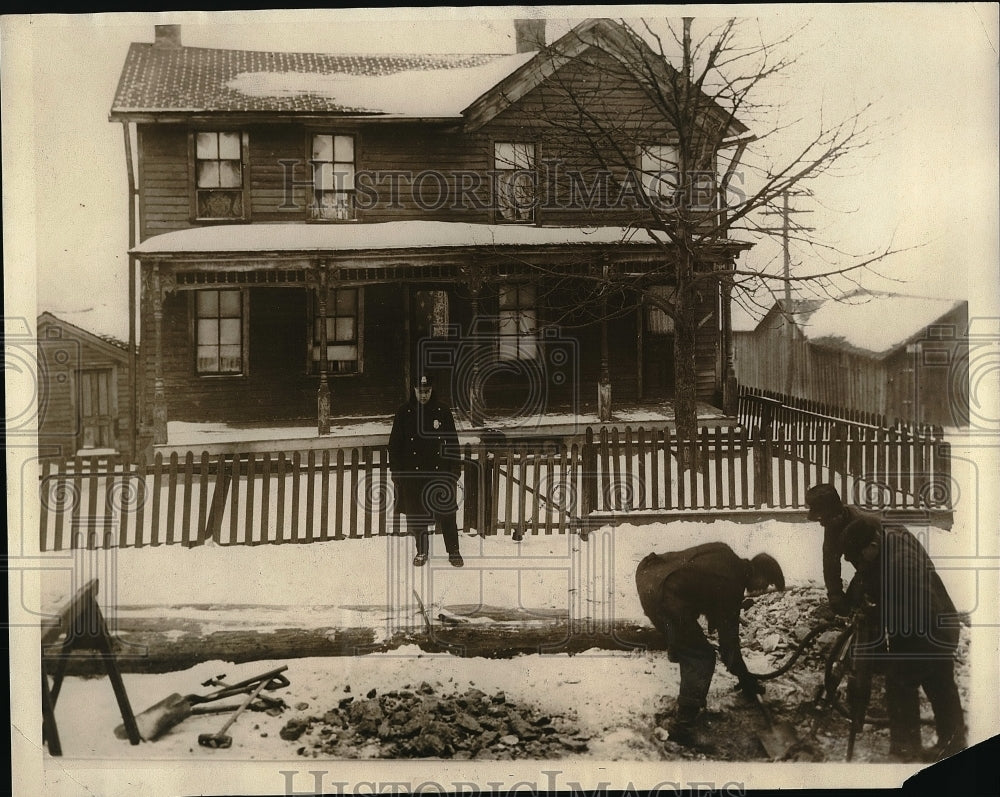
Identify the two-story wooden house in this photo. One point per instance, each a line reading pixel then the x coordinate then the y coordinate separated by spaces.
pixel 309 229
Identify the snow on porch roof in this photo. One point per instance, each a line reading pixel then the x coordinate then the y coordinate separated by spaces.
pixel 297 237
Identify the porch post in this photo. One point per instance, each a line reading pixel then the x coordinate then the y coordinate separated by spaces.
pixel 323 394
pixel 604 383
pixel 729 385
pixel 475 388
pixel 159 390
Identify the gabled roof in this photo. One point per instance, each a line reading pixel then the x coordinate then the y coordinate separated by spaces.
pixel 107 343
pixel 602 33
pixel 869 324
pixel 158 79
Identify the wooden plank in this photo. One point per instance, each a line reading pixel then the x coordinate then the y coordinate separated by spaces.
pixel 279 506
pixel 154 534
pixel 324 490
pixel 310 494
pixel 45 496
pixel 522 496
pixel 340 475
pixel 602 502
pixel 779 448
pixel 186 507
pixel 92 479
pixel 107 536
pixel 351 497
pixel 234 495
pixel 251 510
pixel 383 492
pixel 746 463
pixel 628 488
pixel 655 436
pixel 668 487
pixel 366 479
pixel 142 498
pixel 296 492
pixel 733 453
pixel 265 498
pixel 618 488
pixel 566 488
pixel 536 468
pixel 719 449
pixel 641 450
pixel 171 496
pixel 126 501
pixel 203 531
pixel 509 478
pixel 551 490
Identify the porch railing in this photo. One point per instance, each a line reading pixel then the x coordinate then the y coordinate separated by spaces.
pixel 508 488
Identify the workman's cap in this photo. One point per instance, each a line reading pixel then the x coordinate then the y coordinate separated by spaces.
pixel 823 500
pixel 858 534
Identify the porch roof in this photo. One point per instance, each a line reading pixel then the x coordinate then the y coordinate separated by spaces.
pixel 299 238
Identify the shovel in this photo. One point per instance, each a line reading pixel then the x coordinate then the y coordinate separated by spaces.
pixel 778 738
pixel 174 709
pixel 221 739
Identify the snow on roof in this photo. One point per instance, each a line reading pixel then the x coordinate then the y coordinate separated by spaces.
pixel 297 237
pixel 104 322
pixel 189 79
pixel 875 324
pixel 412 92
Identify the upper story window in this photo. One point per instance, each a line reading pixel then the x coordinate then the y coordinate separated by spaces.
pixel 514 180
pixel 518 322
pixel 219 331
pixel 219 174
pixel 343 331
pixel 333 177
pixel 658 166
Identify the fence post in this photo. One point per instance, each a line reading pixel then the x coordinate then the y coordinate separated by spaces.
pixel 762 468
pixel 223 477
pixel 588 480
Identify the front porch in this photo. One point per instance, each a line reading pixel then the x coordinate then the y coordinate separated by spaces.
pixel 286 326
pixel 374 430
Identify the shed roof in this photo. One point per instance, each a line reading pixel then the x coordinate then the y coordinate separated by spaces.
pixel 100 339
pixel 867 323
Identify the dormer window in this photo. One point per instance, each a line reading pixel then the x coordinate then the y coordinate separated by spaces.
pixel 514 181
pixel 219 175
pixel 333 177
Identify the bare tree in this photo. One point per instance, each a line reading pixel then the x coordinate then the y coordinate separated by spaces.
pixel 667 133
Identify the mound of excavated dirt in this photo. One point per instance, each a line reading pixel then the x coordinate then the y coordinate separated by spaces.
pixel 421 723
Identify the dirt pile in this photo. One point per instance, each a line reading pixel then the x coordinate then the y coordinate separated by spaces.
pixel 422 723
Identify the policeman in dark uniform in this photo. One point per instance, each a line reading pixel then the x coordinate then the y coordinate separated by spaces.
pixel 425 461
pixel 918 630
pixel 675 589
pixel 834 516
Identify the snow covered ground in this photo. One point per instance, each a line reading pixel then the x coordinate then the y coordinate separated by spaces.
pixel 611 695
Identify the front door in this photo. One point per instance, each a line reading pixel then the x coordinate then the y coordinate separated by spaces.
pixel 98 408
pixel 431 348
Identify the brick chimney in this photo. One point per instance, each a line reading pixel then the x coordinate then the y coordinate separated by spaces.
pixel 529 35
pixel 168 37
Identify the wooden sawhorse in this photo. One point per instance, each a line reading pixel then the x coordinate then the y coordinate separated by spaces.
pixel 84 628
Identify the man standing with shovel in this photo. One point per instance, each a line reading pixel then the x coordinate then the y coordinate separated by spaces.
pixel 677 588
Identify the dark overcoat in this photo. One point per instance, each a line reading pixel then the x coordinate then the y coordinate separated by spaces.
pixel 424 458
pixel 912 606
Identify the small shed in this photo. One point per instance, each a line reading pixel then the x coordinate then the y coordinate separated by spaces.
pixel 84 406
pixel 904 357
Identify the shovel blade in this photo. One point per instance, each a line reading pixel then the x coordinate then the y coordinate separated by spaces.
pixel 159 718
pixel 215 740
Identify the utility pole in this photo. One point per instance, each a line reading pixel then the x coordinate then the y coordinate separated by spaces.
pixel 786 228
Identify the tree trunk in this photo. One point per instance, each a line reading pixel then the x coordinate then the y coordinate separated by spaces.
pixel 685 368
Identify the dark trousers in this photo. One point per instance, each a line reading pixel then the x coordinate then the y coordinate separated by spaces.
pixel 420 527
pixel 687 645
pixel 936 676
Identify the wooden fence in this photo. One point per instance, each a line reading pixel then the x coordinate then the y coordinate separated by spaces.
pixel 507 488
pixel 764 411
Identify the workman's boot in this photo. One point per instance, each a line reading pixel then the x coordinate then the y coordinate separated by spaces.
pixel 681 728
